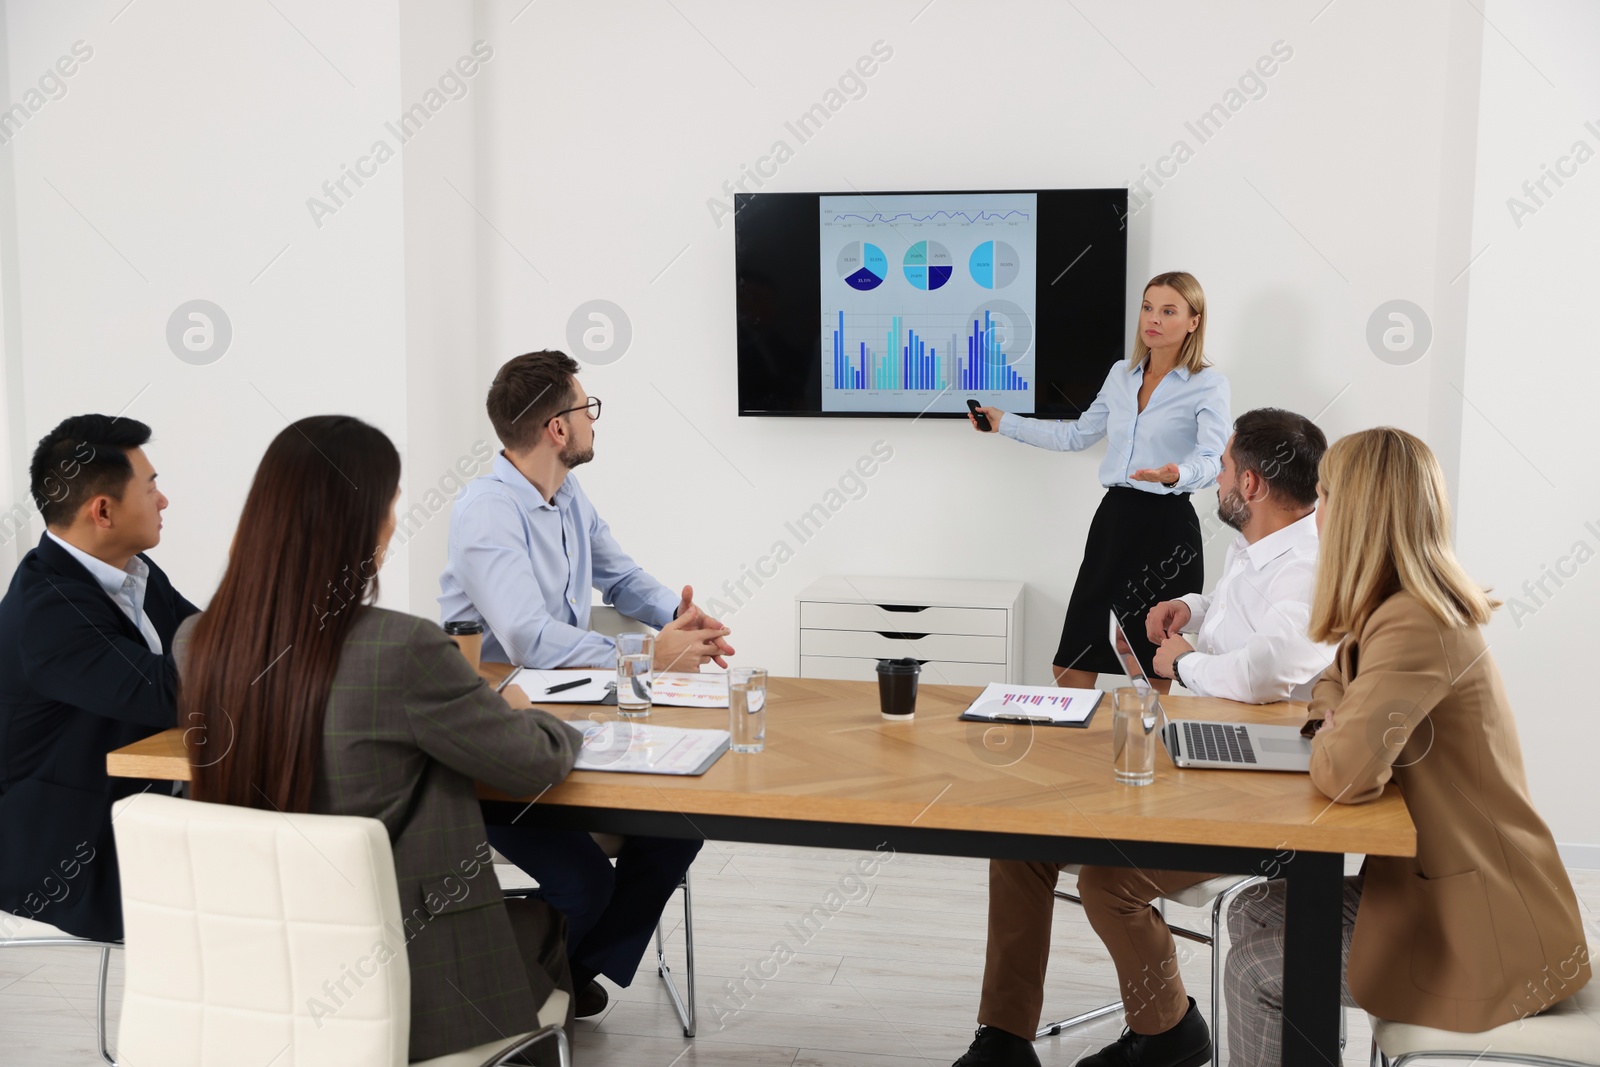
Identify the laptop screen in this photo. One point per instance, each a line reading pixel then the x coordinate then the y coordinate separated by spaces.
pixel 1135 672
pixel 1125 656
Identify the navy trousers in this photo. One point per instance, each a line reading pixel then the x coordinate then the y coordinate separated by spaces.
pixel 611 911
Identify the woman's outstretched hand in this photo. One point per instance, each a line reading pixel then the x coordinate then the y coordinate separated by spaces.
pixel 1167 475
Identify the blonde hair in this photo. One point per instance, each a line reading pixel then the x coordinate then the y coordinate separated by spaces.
pixel 1386 529
pixel 1192 356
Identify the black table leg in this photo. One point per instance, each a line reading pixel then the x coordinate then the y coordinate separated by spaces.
pixel 1311 976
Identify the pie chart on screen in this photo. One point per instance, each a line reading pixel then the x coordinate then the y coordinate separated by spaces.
pixel 863 265
pixel 993 264
pixel 927 265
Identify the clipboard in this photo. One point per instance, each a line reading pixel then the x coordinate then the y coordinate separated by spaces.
pixel 644 748
pixel 603 691
pixel 1035 705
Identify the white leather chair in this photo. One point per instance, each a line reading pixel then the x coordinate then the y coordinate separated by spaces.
pixel 241 924
pixel 1219 893
pixel 19 931
pixel 1568 1035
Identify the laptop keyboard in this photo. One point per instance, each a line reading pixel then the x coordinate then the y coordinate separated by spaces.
pixel 1219 741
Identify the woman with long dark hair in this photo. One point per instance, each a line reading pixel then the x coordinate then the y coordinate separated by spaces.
pixel 300 696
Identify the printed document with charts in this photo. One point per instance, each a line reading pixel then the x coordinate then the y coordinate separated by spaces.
pixel 1035 704
pixel 640 748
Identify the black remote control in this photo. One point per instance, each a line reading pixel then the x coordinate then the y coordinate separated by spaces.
pixel 983 420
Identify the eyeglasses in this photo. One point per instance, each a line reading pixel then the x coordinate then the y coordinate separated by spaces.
pixel 592 407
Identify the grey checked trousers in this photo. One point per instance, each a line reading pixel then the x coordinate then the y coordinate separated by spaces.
pixel 1253 980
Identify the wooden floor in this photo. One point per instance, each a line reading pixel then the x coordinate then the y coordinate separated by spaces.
pixel 889 980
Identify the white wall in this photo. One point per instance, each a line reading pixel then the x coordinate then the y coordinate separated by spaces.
pixel 578 164
pixel 177 167
pixel 1527 495
pixel 605 190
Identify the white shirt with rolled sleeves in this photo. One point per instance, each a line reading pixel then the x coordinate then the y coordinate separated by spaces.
pixel 1250 634
pixel 1185 421
pixel 524 567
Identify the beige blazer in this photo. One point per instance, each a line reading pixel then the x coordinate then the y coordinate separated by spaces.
pixel 1481 927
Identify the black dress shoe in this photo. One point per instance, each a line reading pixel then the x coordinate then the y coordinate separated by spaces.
pixel 998 1048
pixel 1186 1045
pixel 592 1000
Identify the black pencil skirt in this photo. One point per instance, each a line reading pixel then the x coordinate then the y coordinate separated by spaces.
pixel 1143 548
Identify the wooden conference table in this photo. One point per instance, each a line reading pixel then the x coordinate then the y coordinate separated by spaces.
pixel 834 774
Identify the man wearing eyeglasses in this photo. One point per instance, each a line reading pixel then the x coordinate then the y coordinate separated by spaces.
pixel 526 548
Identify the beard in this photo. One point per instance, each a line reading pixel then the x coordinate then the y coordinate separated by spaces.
pixel 572 456
pixel 1232 509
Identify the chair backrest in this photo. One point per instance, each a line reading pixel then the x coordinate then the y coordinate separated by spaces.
pixel 259 937
pixel 604 619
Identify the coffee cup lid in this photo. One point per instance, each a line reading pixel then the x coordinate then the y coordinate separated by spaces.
pixel 906 665
pixel 462 627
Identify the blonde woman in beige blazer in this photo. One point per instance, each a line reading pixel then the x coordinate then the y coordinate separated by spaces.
pixel 1482 927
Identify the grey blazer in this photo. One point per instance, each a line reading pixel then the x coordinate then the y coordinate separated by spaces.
pixel 410 728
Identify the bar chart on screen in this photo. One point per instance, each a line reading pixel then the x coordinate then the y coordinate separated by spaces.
pixel 972 357
pixel 912 313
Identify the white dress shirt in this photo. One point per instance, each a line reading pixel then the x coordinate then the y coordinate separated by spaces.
pixel 126 588
pixel 1250 634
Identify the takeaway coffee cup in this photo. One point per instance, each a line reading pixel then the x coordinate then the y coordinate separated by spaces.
pixel 897 688
pixel 468 637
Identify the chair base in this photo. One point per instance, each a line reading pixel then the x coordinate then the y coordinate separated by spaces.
pixel 105 948
pixel 1052 1029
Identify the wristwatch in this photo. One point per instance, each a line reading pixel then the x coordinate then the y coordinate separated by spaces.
pixel 1178 677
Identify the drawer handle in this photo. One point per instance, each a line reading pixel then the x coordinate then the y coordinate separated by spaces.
pixel 901 607
pixel 900 636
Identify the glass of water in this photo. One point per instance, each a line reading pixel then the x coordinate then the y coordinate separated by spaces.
pixel 747 709
pixel 636 654
pixel 1135 733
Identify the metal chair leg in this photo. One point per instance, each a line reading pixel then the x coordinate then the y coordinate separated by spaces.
pixel 69 941
pixel 563 1049
pixel 684 1008
pixel 1219 908
pixel 1051 1029
pixel 100 1006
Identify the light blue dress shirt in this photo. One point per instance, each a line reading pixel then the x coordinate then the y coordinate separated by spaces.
pixel 1185 422
pixel 523 567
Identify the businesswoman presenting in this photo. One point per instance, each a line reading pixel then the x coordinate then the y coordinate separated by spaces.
pixel 1164 415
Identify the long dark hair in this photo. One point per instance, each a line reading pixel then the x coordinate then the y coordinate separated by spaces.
pixel 262 658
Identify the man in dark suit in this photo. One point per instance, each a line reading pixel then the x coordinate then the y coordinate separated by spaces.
pixel 85 667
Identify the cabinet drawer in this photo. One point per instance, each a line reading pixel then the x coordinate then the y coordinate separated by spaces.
pixel 866 644
pixel 976 621
pixel 934 672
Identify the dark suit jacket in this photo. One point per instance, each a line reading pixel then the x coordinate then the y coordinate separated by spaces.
pixel 76 681
pixel 410 729
pixel 1481 927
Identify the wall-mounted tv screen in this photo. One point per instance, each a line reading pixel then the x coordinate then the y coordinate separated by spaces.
pixel 902 305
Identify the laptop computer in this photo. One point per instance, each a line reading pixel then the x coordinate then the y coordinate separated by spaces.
pixel 1234 746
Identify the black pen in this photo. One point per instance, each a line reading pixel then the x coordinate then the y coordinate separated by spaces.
pixel 564 686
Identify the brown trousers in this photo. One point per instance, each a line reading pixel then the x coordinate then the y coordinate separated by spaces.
pixel 1117 902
